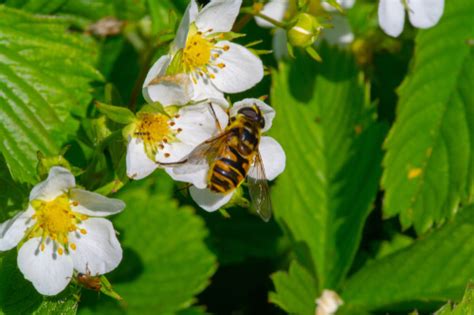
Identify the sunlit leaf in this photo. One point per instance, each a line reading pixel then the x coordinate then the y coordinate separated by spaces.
pixel 435 268
pixel 429 164
pixel 333 149
pixel 466 306
pixel 44 77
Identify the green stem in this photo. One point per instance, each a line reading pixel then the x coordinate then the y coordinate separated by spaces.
pixel 251 11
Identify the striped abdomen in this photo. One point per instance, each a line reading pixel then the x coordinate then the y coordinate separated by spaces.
pixel 231 167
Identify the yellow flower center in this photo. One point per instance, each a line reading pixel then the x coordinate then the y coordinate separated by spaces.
pixel 197 52
pixel 55 220
pixel 155 130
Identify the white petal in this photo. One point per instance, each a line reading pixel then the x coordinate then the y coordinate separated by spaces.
pixel 391 16
pixel 59 181
pixel 205 89
pixel 218 15
pixel 273 158
pixel 345 4
pixel 268 112
pixel 13 230
pixel 173 152
pixel 208 200
pixel 139 164
pixel 275 9
pixel 198 122
pixel 49 272
pixel 425 13
pixel 341 34
pixel 242 70
pixel 92 204
pixel 99 250
pixel 166 89
pixel 183 29
pixel 196 176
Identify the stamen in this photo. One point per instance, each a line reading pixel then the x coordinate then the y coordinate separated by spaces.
pixel 73 246
pixel 60 251
pixel 83 231
pixel 167 155
pixel 221 65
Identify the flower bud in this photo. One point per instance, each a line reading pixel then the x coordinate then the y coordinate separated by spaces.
pixel 305 31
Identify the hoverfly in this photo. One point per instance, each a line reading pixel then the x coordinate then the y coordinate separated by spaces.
pixel 230 156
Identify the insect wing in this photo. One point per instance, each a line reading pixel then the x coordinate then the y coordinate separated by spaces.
pixel 259 190
pixel 202 155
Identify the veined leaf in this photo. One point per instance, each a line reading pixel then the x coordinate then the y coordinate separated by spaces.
pixel 466 306
pixel 44 76
pixel 434 268
pixel 166 261
pixel 429 164
pixel 333 148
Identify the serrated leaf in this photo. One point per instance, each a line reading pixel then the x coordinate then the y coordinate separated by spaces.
pixel 434 268
pixel 297 290
pixel 44 76
pixel 466 306
pixel 430 149
pixel 166 261
pixel 333 149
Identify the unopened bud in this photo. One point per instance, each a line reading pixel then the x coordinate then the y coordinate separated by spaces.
pixel 305 31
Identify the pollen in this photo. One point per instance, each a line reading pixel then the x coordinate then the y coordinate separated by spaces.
pixel 197 52
pixel 152 128
pixel 414 173
pixel 54 221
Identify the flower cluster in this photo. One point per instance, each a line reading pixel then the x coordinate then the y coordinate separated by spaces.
pixel 189 84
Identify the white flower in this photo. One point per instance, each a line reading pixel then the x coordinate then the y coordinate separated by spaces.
pixel 274 9
pixel 62 230
pixel 421 13
pixel 328 303
pixel 341 32
pixel 273 158
pixel 158 137
pixel 202 63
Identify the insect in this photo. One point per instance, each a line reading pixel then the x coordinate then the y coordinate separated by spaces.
pixel 88 281
pixel 231 155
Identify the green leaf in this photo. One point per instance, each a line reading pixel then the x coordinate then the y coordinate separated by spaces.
pixel 429 164
pixel 333 148
pixel 297 290
pixel 435 268
pixel 466 306
pixel 166 261
pixel 121 115
pixel 44 77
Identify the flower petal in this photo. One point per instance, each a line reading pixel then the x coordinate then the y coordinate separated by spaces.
pixel 13 230
pixel 49 272
pixel 218 16
pixel 173 152
pixel 391 16
pixel 198 122
pixel 205 89
pixel 96 205
pixel 273 158
pixel 345 4
pixel 197 175
pixel 341 34
pixel 183 29
pixel 208 200
pixel 274 9
pixel 139 164
pixel 268 112
pixel 98 251
pixel 166 89
pixel 425 13
pixel 59 181
pixel 241 71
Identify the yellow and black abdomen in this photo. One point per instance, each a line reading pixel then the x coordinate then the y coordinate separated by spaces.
pixel 233 163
